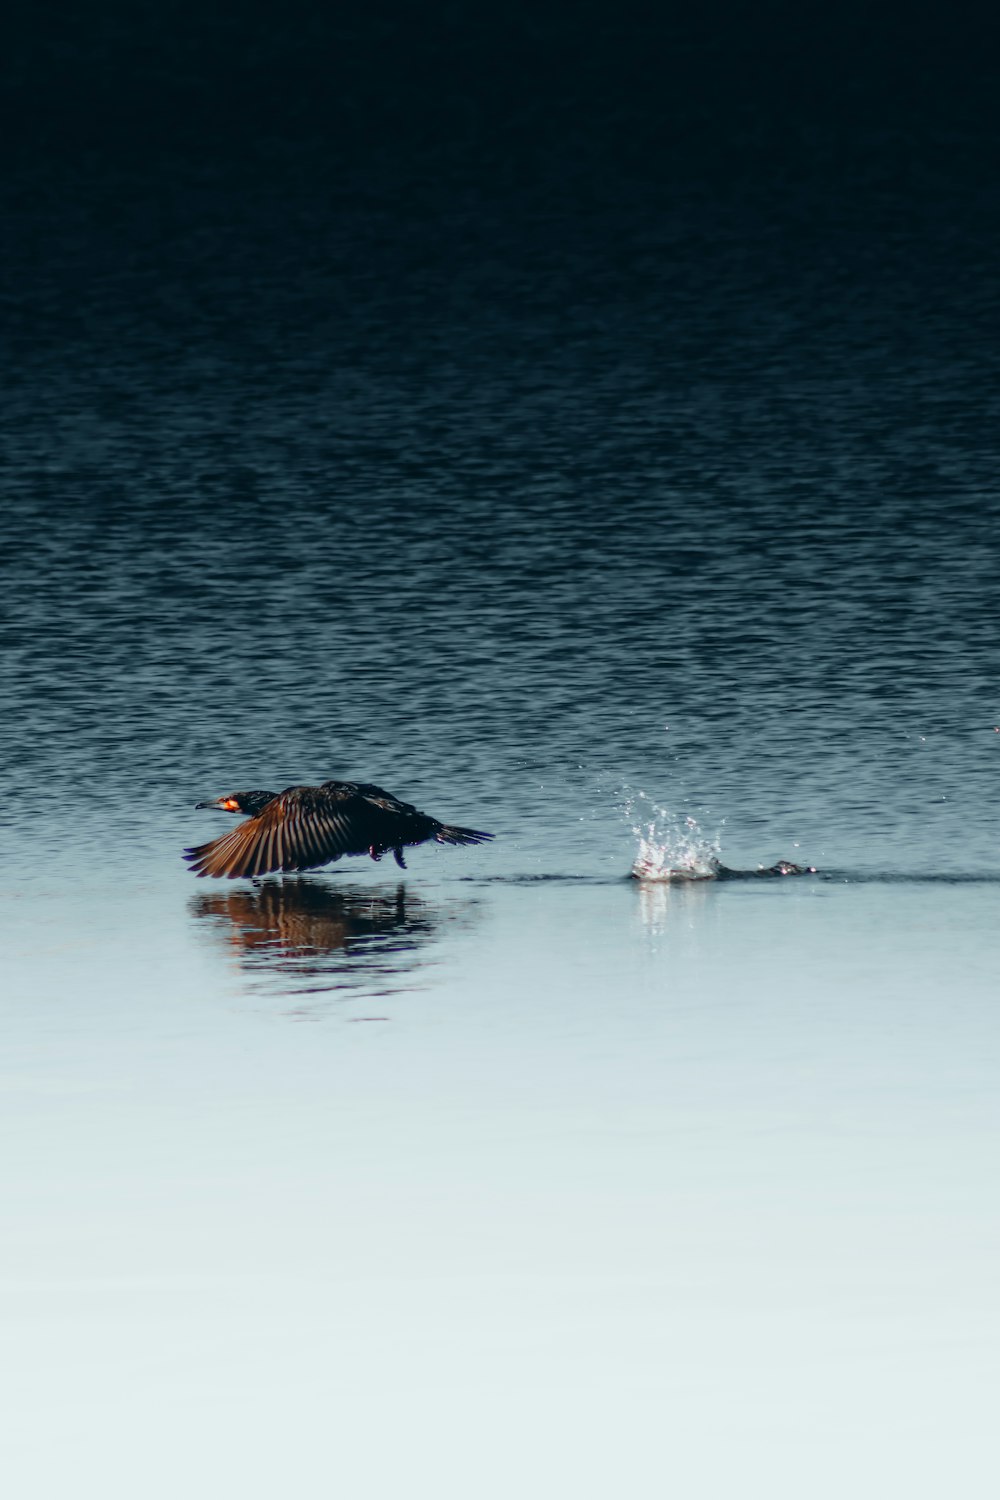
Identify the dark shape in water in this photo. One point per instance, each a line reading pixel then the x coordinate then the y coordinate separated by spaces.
pixel 304 827
pixel 717 871
pixel 783 867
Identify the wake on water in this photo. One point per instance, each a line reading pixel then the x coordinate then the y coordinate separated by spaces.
pixel 674 848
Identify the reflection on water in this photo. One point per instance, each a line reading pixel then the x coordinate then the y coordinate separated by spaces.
pixel 663 902
pixel 303 936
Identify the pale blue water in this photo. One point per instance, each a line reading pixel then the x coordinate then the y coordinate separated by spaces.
pixel 581 529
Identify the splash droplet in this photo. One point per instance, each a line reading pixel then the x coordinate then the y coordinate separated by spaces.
pixel 670 847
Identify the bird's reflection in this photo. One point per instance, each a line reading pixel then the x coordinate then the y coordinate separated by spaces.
pixel 304 935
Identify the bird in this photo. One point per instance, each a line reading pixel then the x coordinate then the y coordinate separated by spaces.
pixel 304 827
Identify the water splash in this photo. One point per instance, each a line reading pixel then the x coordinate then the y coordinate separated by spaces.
pixel 671 846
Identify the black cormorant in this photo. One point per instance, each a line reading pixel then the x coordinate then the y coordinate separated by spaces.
pixel 306 826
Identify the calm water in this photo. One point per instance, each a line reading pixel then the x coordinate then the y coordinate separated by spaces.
pixel 583 519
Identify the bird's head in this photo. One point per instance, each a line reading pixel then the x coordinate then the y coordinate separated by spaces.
pixel 249 803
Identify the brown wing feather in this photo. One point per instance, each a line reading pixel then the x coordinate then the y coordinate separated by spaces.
pixel 224 855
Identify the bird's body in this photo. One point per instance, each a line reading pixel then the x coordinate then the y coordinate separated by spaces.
pixel 307 826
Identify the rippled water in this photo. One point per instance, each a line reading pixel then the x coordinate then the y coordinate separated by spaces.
pixel 663 524
pixel 687 514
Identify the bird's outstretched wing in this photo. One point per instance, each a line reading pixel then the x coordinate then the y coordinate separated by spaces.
pixel 299 830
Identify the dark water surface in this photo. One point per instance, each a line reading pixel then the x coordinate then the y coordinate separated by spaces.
pixel 478 499
pixel 584 513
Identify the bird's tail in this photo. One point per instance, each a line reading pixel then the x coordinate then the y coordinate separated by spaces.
pixel 445 834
